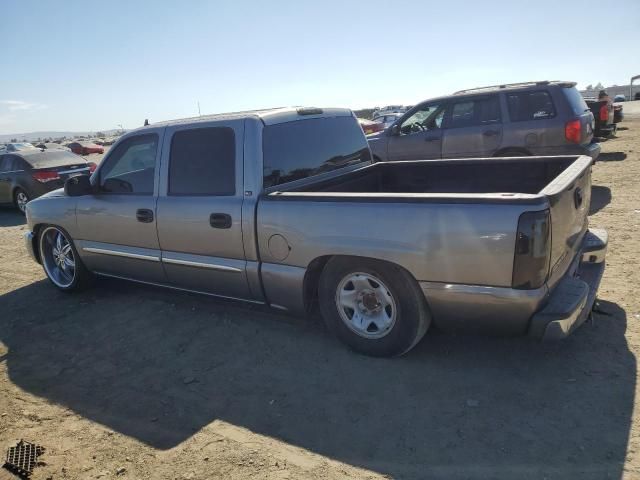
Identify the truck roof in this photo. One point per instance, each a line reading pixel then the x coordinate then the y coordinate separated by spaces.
pixel 268 116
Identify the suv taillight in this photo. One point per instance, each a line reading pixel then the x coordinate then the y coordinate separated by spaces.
pixel 604 112
pixel 573 131
pixel 533 250
pixel 45 176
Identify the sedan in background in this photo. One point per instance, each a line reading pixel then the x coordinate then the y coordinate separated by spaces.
pixel 369 126
pixel 388 119
pixel 85 148
pixel 27 174
pixel 16 147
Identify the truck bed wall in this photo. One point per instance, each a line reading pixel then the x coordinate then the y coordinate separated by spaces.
pixel 450 176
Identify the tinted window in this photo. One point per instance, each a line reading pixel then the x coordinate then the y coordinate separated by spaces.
pixel 530 106
pixel 296 150
pixel 480 111
pixel 203 162
pixel 577 103
pixel 131 166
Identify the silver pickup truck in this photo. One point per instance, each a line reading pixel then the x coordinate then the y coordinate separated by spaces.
pixel 285 208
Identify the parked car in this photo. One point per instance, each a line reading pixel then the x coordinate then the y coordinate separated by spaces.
pixel 285 208
pixel 618 114
pixel 16 147
pixel 535 118
pixel 369 126
pixel 52 146
pixel 388 119
pixel 27 174
pixel 603 114
pixel 85 148
pixel 636 96
pixel 619 98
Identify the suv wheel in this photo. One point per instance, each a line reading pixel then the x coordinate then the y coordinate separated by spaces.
pixel 376 308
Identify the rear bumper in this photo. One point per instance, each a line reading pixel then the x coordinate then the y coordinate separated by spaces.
pixel 570 302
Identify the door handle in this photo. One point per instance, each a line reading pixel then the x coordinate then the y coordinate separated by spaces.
pixel 490 133
pixel 220 220
pixel 144 215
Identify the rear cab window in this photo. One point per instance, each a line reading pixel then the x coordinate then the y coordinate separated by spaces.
pixel 526 106
pixel 202 162
pixel 303 148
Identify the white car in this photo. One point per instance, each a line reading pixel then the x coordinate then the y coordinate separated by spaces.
pixel 387 119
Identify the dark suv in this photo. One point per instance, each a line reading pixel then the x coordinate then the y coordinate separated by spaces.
pixel 535 118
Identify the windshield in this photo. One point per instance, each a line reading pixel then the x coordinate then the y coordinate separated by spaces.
pixel 300 149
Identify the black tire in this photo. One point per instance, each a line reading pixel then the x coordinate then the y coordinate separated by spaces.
pixel 82 278
pixel 412 317
pixel 17 202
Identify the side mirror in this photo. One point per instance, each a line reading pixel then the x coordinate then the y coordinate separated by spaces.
pixel 395 129
pixel 78 186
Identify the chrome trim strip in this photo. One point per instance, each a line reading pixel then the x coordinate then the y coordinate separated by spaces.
pixel 117 253
pixel 154 284
pixel 64 172
pixel 211 266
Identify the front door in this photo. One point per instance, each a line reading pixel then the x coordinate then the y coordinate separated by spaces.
pixel 117 225
pixel 473 128
pixel 200 208
pixel 419 136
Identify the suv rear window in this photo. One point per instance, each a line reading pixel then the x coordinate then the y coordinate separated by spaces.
pixel 300 149
pixel 577 103
pixel 530 106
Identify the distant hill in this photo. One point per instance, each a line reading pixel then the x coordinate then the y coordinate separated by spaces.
pixel 34 136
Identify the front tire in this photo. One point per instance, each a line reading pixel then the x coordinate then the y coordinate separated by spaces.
pixel 375 307
pixel 61 261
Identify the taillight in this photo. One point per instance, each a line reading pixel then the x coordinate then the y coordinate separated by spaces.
pixel 573 131
pixel 604 112
pixel 45 176
pixel 92 166
pixel 533 250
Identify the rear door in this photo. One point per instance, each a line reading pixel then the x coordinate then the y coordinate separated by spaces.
pixel 200 208
pixel 117 225
pixel 420 134
pixel 473 127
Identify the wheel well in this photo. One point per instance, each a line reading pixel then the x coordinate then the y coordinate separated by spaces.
pixel 314 271
pixel 518 151
pixel 36 234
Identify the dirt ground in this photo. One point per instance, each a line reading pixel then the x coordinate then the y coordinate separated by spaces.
pixel 127 381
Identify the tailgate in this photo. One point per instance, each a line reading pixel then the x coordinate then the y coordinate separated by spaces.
pixel 569 199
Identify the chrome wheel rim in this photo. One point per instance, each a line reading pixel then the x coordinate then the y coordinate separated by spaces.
pixel 365 305
pixel 57 257
pixel 21 201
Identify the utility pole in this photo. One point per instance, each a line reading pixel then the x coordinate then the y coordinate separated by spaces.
pixel 199 114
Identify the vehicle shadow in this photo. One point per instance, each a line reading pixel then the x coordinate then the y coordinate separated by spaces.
pixel 10 217
pixel 161 369
pixel 600 198
pixel 612 157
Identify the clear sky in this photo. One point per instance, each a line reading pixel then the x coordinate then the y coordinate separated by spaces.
pixel 89 65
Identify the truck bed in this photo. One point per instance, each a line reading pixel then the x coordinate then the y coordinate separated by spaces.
pixel 528 175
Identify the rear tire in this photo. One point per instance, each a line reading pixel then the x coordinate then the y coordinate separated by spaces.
pixel 20 200
pixel 375 307
pixel 60 260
